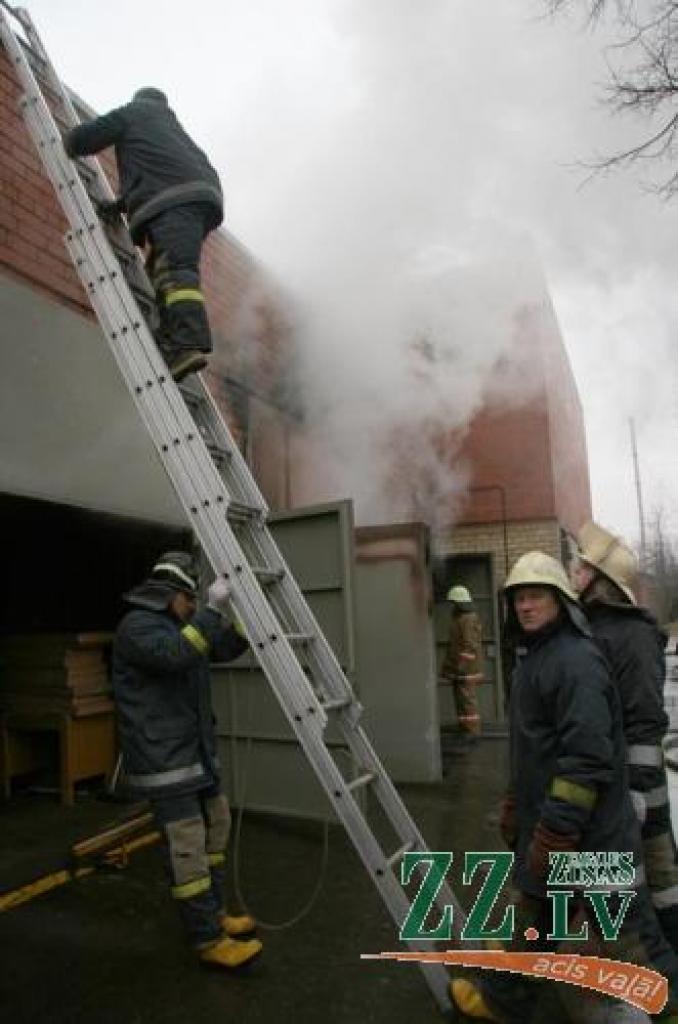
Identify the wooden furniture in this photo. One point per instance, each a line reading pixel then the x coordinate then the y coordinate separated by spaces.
pixel 56 683
pixel 86 746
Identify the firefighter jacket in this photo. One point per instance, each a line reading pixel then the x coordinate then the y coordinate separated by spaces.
pixel 159 165
pixel 161 685
pixel 633 645
pixel 567 747
pixel 463 661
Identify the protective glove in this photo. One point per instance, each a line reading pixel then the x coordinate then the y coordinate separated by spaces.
pixel 109 210
pixel 218 595
pixel 508 825
pixel 545 841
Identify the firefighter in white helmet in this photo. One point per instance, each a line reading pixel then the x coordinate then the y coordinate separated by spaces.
pixel 604 575
pixel 567 792
pixel 462 666
pixel 161 680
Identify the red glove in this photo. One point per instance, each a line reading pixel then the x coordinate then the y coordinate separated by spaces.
pixel 545 841
pixel 507 821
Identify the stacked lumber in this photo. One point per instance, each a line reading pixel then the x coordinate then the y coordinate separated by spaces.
pixel 55 672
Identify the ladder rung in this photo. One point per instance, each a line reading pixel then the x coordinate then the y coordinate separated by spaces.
pixel 219 455
pixel 62 121
pixel 265 575
pixel 46 85
pixel 399 854
pixel 361 780
pixel 39 65
pixel 87 173
pixel 238 510
pixel 299 638
pixel 336 704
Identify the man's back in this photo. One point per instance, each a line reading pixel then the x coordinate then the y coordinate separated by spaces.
pixel 633 646
pixel 159 165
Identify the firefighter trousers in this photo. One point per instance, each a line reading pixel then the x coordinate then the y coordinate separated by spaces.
pixel 195 829
pixel 650 793
pixel 466 703
pixel 176 237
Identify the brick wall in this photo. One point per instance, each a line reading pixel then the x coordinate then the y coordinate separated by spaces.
pixel 530 454
pixel 488 538
pixel 31 222
pixel 569 456
pixel 510 464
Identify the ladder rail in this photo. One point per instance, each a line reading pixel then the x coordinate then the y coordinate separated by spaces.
pixel 275 660
pixel 355 739
pixel 29 80
pixel 76 202
pixel 224 438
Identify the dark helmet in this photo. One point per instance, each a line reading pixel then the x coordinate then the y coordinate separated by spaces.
pixel 174 572
pixel 149 94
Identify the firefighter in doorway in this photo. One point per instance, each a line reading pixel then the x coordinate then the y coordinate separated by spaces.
pixel 628 635
pixel 172 197
pixel 462 666
pixel 161 655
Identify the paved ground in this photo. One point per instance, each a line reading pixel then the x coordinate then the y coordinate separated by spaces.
pixel 109 949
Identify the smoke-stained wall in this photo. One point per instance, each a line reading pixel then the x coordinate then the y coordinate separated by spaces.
pixel 528 456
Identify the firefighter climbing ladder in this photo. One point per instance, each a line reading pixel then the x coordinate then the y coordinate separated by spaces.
pixel 217 491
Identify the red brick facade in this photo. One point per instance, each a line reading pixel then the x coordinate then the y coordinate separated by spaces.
pixel 528 456
pixel 31 222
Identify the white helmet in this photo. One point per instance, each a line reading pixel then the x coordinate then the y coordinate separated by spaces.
pixel 536 569
pixel 610 556
pixel 459 594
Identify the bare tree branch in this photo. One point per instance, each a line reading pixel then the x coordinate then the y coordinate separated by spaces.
pixel 643 80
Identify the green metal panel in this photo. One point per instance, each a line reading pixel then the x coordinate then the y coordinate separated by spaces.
pixel 263 765
pixel 396 657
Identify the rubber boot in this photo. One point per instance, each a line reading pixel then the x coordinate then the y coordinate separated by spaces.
pixel 467 998
pixel 237 925
pixel 230 954
pixel 186 362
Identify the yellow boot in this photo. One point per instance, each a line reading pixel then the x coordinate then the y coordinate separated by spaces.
pixel 229 953
pixel 467 998
pixel 235 926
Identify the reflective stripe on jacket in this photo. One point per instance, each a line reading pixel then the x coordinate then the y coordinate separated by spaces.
pixel 161 685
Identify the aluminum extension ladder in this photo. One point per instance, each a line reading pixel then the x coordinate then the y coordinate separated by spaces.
pixel 218 493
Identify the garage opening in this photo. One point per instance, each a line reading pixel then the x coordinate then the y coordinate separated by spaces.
pixel 474 572
pixel 65 570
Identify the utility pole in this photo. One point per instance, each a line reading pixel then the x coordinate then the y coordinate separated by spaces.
pixel 639 493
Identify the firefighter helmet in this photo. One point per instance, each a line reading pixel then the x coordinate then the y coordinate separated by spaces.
pixel 149 94
pixel 610 556
pixel 459 594
pixel 536 569
pixel 174 572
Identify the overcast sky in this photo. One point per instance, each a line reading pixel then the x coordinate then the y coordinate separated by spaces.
pixel 367 142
